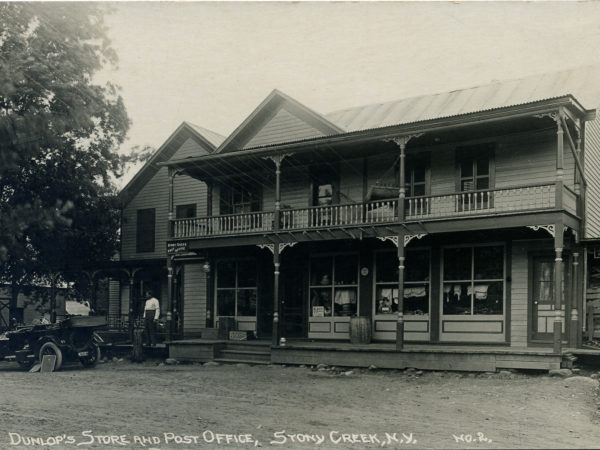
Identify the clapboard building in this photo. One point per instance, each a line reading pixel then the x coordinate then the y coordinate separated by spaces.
pixel 447 226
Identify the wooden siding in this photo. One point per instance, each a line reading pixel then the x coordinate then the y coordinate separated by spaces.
pixel 531 159
pixel 592 172
pixel 442 171
pixel 155 194
pixel 194 298
pixel 283 127
pixel 295 188
pixel 380 170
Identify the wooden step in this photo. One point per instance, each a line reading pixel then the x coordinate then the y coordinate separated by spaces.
pixel 244 355
pixel 236 361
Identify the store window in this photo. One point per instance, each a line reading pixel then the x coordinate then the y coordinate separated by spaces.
pixel 473 280
pixel 236 288
pixel 334 286
pixel 416 282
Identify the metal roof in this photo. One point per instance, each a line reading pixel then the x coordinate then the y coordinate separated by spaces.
pixel 582 83
pixel 214 138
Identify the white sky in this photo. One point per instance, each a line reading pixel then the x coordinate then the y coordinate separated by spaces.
pixel 213 63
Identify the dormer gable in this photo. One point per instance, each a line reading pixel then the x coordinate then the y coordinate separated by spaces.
pixel 279 118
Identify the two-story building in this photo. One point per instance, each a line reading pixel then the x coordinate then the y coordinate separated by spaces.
pixel 453 225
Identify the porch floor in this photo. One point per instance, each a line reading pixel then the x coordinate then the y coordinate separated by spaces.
pixel 380 354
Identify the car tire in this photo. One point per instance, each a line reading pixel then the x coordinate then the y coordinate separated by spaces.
pixel 50 348
pixel 92 360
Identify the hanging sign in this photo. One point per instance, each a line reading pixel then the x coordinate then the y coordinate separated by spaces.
pixel 177 247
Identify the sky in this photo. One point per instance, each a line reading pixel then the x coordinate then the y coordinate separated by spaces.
pixel 212 63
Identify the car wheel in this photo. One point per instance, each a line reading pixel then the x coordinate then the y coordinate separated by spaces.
pixel 93 358
pixel 50 348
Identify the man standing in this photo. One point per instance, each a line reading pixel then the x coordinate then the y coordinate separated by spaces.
pixel 151 315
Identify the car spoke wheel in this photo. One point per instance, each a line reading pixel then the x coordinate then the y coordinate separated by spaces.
pixel 50 348
pixel 92 358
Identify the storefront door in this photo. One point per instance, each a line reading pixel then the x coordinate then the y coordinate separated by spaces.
pixel 542 299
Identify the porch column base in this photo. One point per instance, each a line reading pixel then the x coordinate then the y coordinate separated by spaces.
pixel 400 334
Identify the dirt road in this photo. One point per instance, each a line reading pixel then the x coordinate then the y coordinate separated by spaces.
pixel 126 405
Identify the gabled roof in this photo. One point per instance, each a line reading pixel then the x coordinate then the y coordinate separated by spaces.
pixel 207 139
pixel 582 83
pixel 279 106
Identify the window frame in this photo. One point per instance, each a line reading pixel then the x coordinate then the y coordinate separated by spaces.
pixel 145 232
pixel 186 207
pixel 470 152
pixel 394 285
pixel 332 286
pixel 413 161
pixel 236 288
pixel 227 193
pixel 474 281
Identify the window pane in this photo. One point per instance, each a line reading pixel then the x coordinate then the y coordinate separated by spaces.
pixel 416 299
pixel 419 190
pixel 483 183
pixel 466 185
pixel 346 269
pixel 345 301
pixel 489 298
pixel 543 282
pixel 386 267
pixel 226 274
pixel 483 165
pixel 246 302
pixel 417 265
pixel 466 168
pixel 456 298
pixel 457 263
pixel 247 273
pixel 320 271
pixel 419 174
pixel 320 302
pixel 185 211
pixel 387 300
pixel 226 302
pixel 489 263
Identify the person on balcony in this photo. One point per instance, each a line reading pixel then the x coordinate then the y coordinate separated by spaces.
pixel 151 315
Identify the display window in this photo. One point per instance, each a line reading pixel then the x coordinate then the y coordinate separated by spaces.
pixel 473 280
pixel 416 282
pixel 334 286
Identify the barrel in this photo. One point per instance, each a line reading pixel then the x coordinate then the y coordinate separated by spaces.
pixel 360 330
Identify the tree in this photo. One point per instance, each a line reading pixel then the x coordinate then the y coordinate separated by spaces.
pixel 59 135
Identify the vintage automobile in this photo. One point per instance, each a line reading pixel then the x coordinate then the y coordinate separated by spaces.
pixel 72 339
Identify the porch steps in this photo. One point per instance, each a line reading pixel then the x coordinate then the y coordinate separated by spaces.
pixel 244 352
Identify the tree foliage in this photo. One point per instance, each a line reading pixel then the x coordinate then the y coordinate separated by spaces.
pixel 59 135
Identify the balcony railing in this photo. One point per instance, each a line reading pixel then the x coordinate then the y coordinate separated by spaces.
pixel 492 201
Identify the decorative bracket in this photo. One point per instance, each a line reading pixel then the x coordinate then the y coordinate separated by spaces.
pixel 554 115
pixel 393 239
pixel 281 246
pixel 410 237
pixel 277 159
pixel 401 141
pixel 548 228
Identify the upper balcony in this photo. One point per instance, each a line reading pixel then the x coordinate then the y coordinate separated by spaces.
pixel 525 198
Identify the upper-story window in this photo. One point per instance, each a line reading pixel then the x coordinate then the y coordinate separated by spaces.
pixel 146 221
pixel 240 198
pixel 185 211
pixel 475 172
pixel 324 186
pixel 476 167
pixel 417 176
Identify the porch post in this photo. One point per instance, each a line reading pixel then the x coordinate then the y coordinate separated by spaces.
pixel 275 338
pixel 558 286
pixel 131 282
pixel 169 297
pixel 277 216
pixel 574 330
pixel 400 319
pixel 402 188
pixel 559 161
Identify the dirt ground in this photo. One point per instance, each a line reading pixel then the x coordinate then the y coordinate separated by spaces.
pixel 120 404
